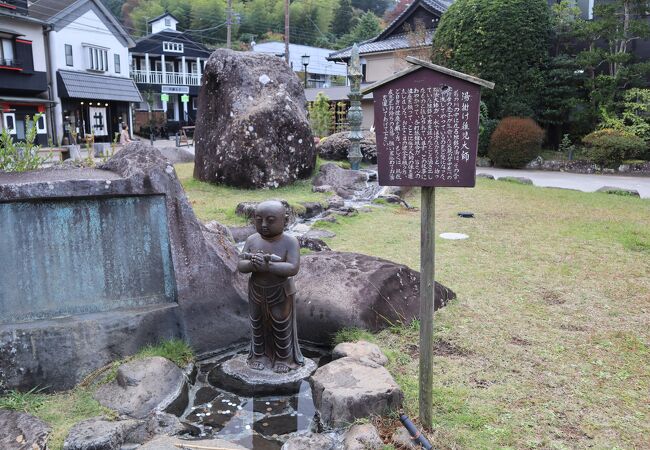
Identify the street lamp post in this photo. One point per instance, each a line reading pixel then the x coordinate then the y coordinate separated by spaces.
pixel 355 113
pixel 305 63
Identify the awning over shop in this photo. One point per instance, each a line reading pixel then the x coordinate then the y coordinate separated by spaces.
pixel 25 100
pixel 97 87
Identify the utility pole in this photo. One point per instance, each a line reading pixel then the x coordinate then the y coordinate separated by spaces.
pixel 286 31
pixel 229 23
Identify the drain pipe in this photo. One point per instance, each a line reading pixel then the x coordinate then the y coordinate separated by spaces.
pixel 48 65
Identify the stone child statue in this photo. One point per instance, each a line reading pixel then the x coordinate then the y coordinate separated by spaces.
pixel 272 258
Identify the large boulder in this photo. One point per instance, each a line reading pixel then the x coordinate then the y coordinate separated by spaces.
pixel 207 281
pixel 252 129
pixel 336 147
pixel 20 431
pixel 338 290
pixel 348 389
pixel 144 386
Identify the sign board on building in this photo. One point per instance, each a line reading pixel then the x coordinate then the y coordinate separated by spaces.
pixel 185 98
pixel 175 89
pixel 164 97
pixel 427 122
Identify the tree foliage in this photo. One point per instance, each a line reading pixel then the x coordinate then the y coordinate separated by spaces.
pixel 320 115
pixel 504 41
pixel 368 27
pixel 321 23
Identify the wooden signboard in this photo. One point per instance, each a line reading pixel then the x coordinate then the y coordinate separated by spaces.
pixel 426 120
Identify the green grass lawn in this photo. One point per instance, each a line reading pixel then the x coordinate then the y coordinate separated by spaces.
pixel 547 345
pixel 211 202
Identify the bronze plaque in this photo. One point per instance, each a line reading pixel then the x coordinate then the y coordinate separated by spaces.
pixel 427 130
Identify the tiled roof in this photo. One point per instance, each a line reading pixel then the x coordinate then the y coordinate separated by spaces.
pixel 387 40
pixel 395 42
pixel 99 87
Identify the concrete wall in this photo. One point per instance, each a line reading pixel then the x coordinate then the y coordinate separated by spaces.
pixel 32 32
pixel 382 65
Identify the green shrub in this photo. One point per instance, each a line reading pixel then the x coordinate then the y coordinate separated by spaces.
pixel 515 142
pixel 609 147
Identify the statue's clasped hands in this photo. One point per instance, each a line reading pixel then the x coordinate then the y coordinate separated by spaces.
pixel 260 263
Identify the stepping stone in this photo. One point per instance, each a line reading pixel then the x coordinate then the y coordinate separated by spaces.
pixel 20 431
pixel 348 389
pixel 361 351
pixel 362 437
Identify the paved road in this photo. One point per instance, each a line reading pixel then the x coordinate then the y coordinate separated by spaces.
pixel 581 182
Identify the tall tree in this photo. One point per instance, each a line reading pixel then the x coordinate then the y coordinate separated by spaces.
pixel 376 6
pixel 342 21
pixel 368 26
pixel 504 41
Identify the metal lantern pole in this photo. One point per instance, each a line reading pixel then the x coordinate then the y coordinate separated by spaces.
pixel 355 113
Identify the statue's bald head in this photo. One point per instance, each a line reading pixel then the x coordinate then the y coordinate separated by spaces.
pixel 270 218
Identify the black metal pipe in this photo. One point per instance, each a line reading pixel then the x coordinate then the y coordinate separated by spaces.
pixel 416 436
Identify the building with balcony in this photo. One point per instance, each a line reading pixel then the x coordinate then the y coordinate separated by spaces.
pixel 87 50
pixel 23 72
pixel 167 66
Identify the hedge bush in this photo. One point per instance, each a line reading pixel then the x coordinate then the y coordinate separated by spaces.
pixel 609 147
pixel 515 142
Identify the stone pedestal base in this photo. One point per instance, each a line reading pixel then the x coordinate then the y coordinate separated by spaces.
pixel 236 376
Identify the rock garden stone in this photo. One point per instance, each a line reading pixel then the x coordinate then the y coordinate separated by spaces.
pixel 619 191
pixel 335 202
pixel 146 385
pixel 336 146
pixel 240 234
pixel 336 290
pixel 101 434
pixel 518 180
pixel 22 431
pixel 219 230
pixel 311 442
pixel 173 443
pixel 348 389
pixel 361 351
pixel 252 129
pixel 345 182
pixel 362 437
pixel 320 234
pixel 313 244
pixel 485 175
pixel 312 209
pixel 403 439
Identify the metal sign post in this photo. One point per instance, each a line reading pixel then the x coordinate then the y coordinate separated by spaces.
pixel 427 121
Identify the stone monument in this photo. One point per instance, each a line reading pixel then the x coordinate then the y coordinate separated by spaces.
pixel 274 362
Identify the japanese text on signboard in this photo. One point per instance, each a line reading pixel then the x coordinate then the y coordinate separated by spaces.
pixel 419 119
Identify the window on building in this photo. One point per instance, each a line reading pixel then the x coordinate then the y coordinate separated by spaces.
pixel 175 47
pixel 9 122
pixel 97 59
pixel 116 58
pixel 195 103
pixel 168 22
pixel 68 55
pixel 7 52
pixel 41 127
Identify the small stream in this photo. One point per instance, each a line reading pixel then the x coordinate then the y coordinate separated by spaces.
pixel 361 198
pixel 257 423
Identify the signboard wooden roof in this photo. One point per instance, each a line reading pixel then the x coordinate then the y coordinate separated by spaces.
pixel 427 122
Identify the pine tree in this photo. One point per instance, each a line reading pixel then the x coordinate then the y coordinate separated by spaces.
pixel 342 22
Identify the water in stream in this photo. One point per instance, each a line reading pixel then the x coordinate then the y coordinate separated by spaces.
pixel 258 423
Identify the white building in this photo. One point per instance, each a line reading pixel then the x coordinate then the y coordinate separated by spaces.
pixel 320 72
pixel 89 68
